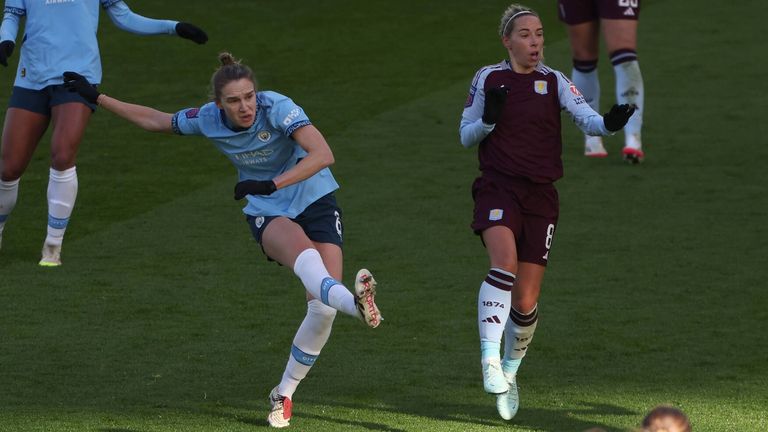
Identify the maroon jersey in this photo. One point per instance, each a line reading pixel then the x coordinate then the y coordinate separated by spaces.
pixel 526 140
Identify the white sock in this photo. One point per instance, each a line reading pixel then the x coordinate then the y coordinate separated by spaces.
pixel 310 269
pixel 9 192
pixel 629 90
pixel 307 344
pixel 62 192
pixel 518 334
pixel 493 305
pixel 584 76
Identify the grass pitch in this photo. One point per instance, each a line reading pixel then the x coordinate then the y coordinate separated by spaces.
pixel 166 317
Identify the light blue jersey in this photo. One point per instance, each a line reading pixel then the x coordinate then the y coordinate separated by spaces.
pixel 60 35
pixel 262 152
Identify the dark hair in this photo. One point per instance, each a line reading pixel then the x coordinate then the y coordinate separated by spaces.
pixel 230 70
pixel 666 418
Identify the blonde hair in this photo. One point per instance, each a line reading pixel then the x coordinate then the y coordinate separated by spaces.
pixel 230 70
pixel 507 19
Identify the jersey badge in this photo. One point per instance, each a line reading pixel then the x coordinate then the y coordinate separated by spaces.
pixel 574 90
pixel 471 97
pixel 259 221
pixel 291 116
pixel 192 113
pixel 264 136
pixel 496 214
pixel 540 87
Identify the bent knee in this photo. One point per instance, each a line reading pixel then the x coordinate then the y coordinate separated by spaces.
pixel 63 159
pixel 9 174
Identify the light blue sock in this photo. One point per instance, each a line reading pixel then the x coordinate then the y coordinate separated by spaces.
pixel 510 365
pixel 490 349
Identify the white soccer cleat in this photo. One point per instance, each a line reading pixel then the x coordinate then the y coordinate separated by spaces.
pixel 633 149
pixel 593 147
pixel 51 255
pixel 365 291
pixel 280 413
pixel 508 403
pixel 493 378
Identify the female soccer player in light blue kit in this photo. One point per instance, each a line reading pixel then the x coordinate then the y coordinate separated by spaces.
pixel 282 162
pixel 58 35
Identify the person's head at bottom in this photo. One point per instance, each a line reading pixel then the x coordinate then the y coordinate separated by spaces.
pixel 665 418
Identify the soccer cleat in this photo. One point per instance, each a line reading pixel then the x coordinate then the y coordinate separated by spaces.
pixel 633 155
pixel 51 255
pixel 280 413
pixel 593 147
pixel 508 403
pixel 365 291
pixel 493 378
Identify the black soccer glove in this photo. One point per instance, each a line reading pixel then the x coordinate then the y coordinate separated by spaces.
pixel 191 32
pixel 494 103
pixel 618 116
pixel 254 187
pixel 6 49
pixel 77 83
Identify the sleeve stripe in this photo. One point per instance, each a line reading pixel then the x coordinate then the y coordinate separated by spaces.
pixel 15 11
pixel 485 70
pixel 106 4
pixel 292 128
pixel 175 124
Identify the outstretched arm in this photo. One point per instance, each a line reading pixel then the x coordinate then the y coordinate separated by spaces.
pixel 144 117
pixel 8 31
pixel 127 20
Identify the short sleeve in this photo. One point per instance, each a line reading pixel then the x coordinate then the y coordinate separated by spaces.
pixel 15 7
pixel 106 4
pixel 186 122
pixel 287 116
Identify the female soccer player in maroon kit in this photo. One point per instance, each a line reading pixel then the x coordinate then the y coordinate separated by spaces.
pixel 513 113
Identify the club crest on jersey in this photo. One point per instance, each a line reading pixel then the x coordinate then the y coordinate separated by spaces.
pixel 496 214
pixel 574 90
pixel 192 113
pixel 259 221
pixel 264 136
pixel 540 87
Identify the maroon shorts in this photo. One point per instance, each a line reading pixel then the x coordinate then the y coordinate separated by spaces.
pixel 529 209
pixel 580 11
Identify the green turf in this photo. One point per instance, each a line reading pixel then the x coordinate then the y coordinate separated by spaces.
pixel 166 317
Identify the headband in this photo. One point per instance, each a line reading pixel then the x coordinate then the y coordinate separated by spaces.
pixel 504 30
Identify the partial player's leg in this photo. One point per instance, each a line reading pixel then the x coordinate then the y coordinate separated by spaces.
pixel 621 42
pixel 22 131
pixel 584 36
pixel 285 241
pixel 493 303
pixel 308 342
pixel 69 123
pixel 534 244
pixel 518 333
